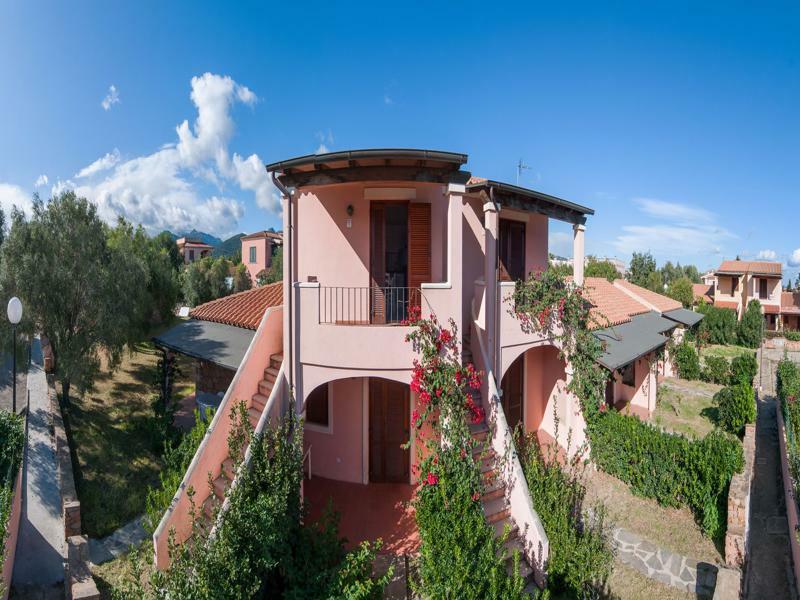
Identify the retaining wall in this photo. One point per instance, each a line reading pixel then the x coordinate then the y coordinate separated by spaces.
pixel 736 544
pixel 791 501
pixel 13 532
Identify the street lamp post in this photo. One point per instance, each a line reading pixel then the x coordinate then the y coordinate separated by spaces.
pixel 14 316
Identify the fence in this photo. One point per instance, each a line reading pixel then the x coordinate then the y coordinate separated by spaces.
pixel 340 305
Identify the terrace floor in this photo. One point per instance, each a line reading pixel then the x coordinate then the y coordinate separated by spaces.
pixel 368 512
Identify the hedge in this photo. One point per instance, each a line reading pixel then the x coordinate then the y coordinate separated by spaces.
pixel 719 325
pixel 716 370
pixel 744 368
pixel 788 388
pixel 670 468
pixel 12 441
pixel 737 407
pixel 686 361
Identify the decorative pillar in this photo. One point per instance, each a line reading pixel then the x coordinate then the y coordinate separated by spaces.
pixel 578 253
pixel 455 253
pixel 491 222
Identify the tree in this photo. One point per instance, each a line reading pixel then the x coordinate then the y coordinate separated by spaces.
pixel 78 290
pixel 751 326
pixel 275 272
pixel 692 273
pixel 654 282
pixel 642 264
pixel 601 268
pixel 165 241
pixel 241 279
pixel 681 290
pixel 205 280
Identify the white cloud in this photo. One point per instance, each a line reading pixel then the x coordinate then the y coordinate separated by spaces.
pixel 794 259
pixel 162 190
pixel 321 149
pixel 13 195
pixel 326 141
pixel 40 181
pixel 767 255
pixel 112 98
pixel 387 100
pixel 101 164
pixel 673 211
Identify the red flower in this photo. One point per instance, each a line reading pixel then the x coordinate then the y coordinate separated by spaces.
pixel 603 408
pixel 476 496
pixel 424 397
pixel 415 417
pixel 432 479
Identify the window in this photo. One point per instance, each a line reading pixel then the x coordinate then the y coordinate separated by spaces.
pixel 734 285
pixel 191 255
pixel 762 289
pixel 252 254
pixel 628 373
pixel 317 408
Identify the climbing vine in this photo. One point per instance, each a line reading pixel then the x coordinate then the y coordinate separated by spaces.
pixel 460 557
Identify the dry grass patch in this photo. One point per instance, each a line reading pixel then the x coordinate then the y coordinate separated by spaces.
pixel 116 455
pixel 627 583
pixel 686 407
pixel 671 528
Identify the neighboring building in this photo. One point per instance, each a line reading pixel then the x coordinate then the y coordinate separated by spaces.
pixel 709 278
pixel 703 293
pixel 790 311
pixel 192 250
pixel 370 233
pixel 740 281
pixel 257 251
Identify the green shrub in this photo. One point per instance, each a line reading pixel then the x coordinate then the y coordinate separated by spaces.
pixel 737 407
pixel 716 370
pixel 580 559
pixel 12 441
pixel 674 470
pixel 792 336
pixel 718 325
pixel 788 388
pixel 686 361
pixel 751 326
pixel 744 368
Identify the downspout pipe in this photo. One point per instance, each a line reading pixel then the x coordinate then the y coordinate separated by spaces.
pixel 288 195
pixel 495 351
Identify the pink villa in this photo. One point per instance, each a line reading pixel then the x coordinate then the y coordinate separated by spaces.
pixel 257 251
pixel 740 281
pixel 192 250
pixel 369 233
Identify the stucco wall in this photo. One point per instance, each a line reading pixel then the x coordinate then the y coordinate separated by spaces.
pixel 263 256
pixel 639 399
pixel 544 384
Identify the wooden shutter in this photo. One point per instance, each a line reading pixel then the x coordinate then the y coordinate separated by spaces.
pixel 419 249
pixel 377 263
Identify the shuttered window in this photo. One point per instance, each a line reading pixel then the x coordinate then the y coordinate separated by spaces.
pixel 419 248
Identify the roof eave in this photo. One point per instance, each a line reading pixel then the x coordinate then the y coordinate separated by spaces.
pixel 529 200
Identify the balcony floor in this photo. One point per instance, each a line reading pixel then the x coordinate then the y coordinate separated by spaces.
pixel 368 512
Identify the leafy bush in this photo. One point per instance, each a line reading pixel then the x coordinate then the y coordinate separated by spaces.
pixel 674 470
pixel 792 336
pixel 580 559
pixel 12 441
pixel 744 368
pixel 718 325
pixel 788 388
pixel 716 370
pixel 681 290
pixel 686 361
pixel 751 326
pixel 737 407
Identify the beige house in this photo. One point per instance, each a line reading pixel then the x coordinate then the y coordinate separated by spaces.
pixel 192 250
pixel 740 281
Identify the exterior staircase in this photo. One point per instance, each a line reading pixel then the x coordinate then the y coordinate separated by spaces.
pixel 256 407
pixel 494 500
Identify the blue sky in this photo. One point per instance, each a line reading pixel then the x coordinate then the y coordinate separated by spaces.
pixel 679 124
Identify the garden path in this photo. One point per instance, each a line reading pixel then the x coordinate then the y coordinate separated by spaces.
pixel 112 546
pixel 768 567
pixel 38 566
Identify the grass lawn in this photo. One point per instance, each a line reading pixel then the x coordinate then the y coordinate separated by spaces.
pixel 627 583
pixel 112 441
pixel 670 528
pixel 686 407
pixel 729 352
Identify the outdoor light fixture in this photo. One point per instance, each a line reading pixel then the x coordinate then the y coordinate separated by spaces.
pixel 350 210
pixel 14 312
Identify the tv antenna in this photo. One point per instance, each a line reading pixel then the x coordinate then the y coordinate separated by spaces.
pixel 520 165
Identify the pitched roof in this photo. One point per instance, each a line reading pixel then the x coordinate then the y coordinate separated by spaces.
pixel 702 290
pixel 770 309
pixel 658 301
pixel 727 304
pixel 263 234
pixel 610 305
pixel 750 266
pixel 790 303
pixel 626 342
pixel 244 309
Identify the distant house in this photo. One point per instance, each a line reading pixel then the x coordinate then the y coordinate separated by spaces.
pixel 741 281
pixel 703 293
pixel 257 250
pixel 790 311
pixel 709 278
pixel 192 250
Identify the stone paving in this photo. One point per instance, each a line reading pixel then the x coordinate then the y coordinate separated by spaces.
pixel 662 565
pixel 118 543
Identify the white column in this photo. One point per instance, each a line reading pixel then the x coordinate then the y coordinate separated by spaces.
pixel 578 253
pixel 455 253
pixel 491 227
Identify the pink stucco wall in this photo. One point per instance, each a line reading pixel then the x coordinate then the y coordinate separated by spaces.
pixel 13 533
pixel 641 398
pixel 263 256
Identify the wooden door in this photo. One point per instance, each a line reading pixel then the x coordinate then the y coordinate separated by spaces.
pixel 512 250
pixel 419 250
pixel 388 431
pixel 513 392
pixel 377 263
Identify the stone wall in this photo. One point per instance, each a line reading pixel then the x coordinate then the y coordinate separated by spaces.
pixel 736 545
pixel 791 502
pixel 212 378
pixel 70 505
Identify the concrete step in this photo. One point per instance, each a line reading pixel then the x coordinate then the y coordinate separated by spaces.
pixel 495 509
pixel 479 431
pixel 227 468
pixel 271 374
pixel 499 528
pixel 276 359
pixel 253 414
pixel 260 399
pixel 220 485
pixel 209 505
pixel 494 488
pixel 265 387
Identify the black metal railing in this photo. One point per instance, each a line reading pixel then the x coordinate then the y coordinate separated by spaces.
pixel 366 305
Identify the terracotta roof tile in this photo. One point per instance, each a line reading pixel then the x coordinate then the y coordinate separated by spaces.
pixel 727 304
pixel 473 180
pixel 702 290
pixel 659 301
pixel 771 309
pixel 244 309
pixel 610 305
pixel 790 303
pixel 750 266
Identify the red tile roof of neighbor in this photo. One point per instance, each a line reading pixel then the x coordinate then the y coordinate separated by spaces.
pixel 750 266
pixel 727 304
pixel 702 290
pixel 660 302
pixel 244 309
pixel 790 303
pixel 610 305
pixel 771 309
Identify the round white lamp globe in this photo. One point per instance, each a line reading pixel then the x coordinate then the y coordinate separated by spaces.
pixel 14 310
